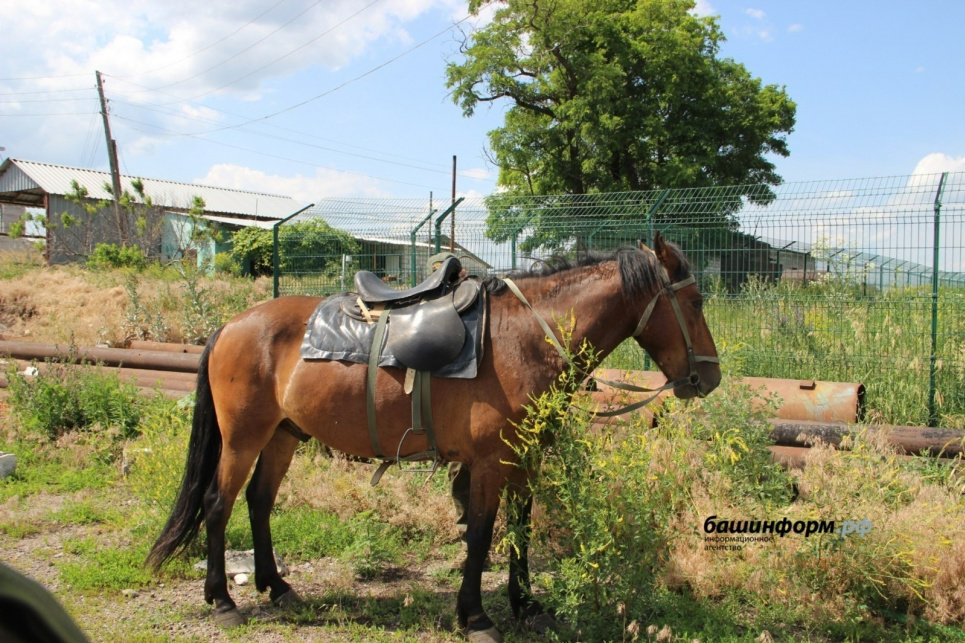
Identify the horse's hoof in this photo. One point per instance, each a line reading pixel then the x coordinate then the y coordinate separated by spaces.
pixel 490 635
pixel 542 623
pixel 229 619
pixel 289 600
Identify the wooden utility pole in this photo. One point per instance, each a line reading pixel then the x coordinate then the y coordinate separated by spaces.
pixel 115 170
pixel 111 145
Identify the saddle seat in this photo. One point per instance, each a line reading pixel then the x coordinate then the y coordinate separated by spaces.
pixel 372 290
pixel 425 330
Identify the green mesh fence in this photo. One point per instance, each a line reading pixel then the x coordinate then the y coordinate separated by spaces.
pixel 858 281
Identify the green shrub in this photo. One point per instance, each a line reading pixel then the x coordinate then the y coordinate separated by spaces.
pixel 622 495
pixel 304 247
pixel 110 255
pixel 61 398
pixel 225 262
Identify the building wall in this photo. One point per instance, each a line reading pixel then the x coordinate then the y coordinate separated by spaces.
pixel 10 214
pixel 68 243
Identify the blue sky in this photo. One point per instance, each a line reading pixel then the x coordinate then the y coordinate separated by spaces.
pixel 322 98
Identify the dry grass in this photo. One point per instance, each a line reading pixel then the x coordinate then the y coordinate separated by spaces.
pixel 59 304
pixel 912 561
pixel 341 487
pixel 64 304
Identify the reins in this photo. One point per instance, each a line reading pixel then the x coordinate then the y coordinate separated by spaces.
pixel 670 290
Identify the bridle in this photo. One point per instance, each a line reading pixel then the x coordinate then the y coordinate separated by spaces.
pixel 669 289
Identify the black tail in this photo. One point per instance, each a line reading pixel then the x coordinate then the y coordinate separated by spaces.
pixel 204 451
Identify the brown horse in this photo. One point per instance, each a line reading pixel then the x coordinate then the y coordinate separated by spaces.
pixel 255 394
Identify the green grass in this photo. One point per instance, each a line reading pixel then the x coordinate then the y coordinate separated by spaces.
pixel 833 332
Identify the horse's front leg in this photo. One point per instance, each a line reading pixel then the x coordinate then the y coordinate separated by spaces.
pixel 519 509
pixel 488 478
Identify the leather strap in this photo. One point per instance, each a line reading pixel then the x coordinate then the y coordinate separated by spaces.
pixel 669 289
pixel 373 373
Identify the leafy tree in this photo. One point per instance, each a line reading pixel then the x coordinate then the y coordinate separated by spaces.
pixel 198 231
pixel 615 96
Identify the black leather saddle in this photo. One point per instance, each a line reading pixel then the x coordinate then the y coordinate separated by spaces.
pixel 424 325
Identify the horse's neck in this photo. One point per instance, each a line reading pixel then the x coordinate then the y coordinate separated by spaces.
pixel 594 298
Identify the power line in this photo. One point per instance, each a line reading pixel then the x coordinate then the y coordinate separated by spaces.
pixel 43 77
pixel 275 156
pixel 346 83
pixel 290 53
pixel 296 142
pixel 260 40
pixel 2 115
pixel 46 91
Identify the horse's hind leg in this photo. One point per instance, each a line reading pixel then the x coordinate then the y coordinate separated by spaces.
pixel 261 493
pixel 218 502
pixel 233 468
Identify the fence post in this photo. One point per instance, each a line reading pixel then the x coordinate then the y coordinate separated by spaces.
pixel 413 267
pixel 936 255
pixel 442 217
pixel 515 236
pixel 652 212
pixel 275 263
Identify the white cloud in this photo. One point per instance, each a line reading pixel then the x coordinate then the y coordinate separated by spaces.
pixel 326 183
pixel 755 13
pixel 186 48
pixel 478 173
pixel 795 28
pixel 937 163
pixel 179 49
pixel 704 8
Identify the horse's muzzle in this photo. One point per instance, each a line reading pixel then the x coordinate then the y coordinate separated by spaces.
pixel 700 383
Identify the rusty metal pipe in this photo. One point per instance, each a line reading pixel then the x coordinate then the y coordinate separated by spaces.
pixel 800 399
pixel 911 440
pixel 153 360
pixel 164 347
pixel 147 374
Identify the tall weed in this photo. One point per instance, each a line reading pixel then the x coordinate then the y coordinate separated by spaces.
pixel 60 398
pixel 622 529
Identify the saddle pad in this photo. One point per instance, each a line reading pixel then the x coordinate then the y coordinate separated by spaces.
pixel 331 334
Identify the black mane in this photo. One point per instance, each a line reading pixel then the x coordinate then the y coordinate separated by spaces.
pixel 638 269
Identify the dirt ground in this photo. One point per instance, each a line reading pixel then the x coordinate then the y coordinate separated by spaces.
pixel 412 601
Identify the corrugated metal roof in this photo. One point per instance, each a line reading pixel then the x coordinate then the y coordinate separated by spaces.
pixel 56 179
pixel 244 223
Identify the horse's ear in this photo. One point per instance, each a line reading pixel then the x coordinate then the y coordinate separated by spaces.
pixel 643 246
pixel 666 256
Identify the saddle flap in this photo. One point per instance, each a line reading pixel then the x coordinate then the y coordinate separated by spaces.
pixel 428 335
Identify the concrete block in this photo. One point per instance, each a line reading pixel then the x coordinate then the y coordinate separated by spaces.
pixel 8 464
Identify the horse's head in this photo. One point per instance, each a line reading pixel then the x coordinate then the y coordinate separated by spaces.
pixel 672 327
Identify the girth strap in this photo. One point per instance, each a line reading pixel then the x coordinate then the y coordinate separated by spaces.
pixel 421 423
pixel 373 373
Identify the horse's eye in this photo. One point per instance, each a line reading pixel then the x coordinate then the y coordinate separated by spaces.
pixel 699 304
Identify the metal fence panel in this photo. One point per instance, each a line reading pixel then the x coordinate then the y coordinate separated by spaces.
pixel 849 280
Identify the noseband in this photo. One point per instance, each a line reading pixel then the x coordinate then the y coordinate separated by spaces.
pixel 670 290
